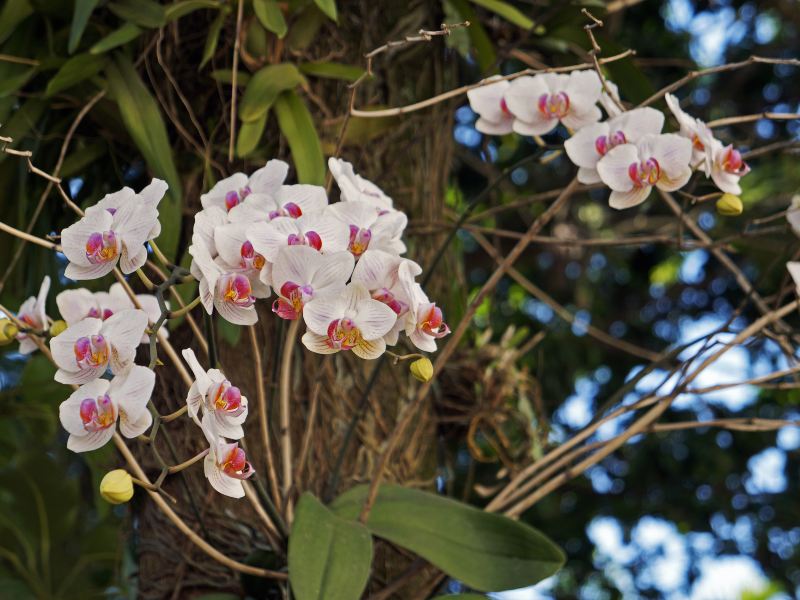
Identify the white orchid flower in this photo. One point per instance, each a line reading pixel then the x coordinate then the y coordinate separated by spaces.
pixel 631 170
pixel 694 130
pixel 225 465
pixel 291 201
pixel 793 214
pixel 149 197
pixel 232 191
pixel 236 252
pixel 371 229
pixel 723 164
pixel 87 349
pixel 540 102
pixel 218 399
pixel 205 223
pixel 91 413
pixel 488 103
pixel 355 188
pixel 321 231
pixel 95 244
pixel 301 273
pixel 593 142
pixel 79 304
pixel 424 321
pixel 610 100
pixel 229 291
pixel 351 320
pixel 33 313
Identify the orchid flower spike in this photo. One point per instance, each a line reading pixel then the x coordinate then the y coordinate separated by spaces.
pixel 85 351
pixel 228 291
pixel 32 314
pixel 351 320
pixel 291 201
pixel 724 164
pixel 95 244
pixel 76 305
pixel 370 228
pixel 225 466
pixel 593 142
pixel 301 273
pixel 692 129
pixel 424 322
pixel 355 188
pixel 233 190
pixel 631 170
pixel 149 197
pixel 206 223
pixel 90 414
pixel 320 231
pixel 540 102
pixel 488 102
pixel 219 400
pixel 236 253
pixel 610 100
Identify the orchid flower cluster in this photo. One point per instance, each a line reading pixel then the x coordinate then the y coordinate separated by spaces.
pixel 337 267
pixel 628 152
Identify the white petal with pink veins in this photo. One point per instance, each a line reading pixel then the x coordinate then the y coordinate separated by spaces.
pixel 613 167
pixel 629 199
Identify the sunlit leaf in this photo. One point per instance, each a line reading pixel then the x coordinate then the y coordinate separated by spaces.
pixel 80 17
pixel 486 551
pixel 249 135
pixel 75 70
pixel 116 38
pixel 298 127
pixel 329 557
pixel 264 87
pixel 271 17
pixel 328 7
pixel 332 70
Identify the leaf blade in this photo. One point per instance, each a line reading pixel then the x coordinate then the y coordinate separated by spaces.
pixel 80 17
pixel 507 11
pixel 271 17
pixel 264 87
pixel 76 69
pixel 297 126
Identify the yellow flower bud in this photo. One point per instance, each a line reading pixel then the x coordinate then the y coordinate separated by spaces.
pixel 421 369
pixel 117 486
pixel 57 327
pixel 8 331
pixel 729 205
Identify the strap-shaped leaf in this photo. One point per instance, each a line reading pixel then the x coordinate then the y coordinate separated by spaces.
pixel 508 11
pixel 142 119
pixel 118 37
pixel 146 13
pixel 329 558
pixel 486 551
pixel 332 70
pixel 249 135
pixel 271 17
pixel 181 9
pixel 328 7
pixel 298 127
pixel 12 14
pixel 80 17
pixel 75 70
pixel 264 87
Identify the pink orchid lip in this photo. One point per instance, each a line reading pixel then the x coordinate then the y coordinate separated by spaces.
pixel 235 464
pixel 343 334
pixel 732 162
pixel 390 300
pixel 96 313
pixel 604 143
pixel 227 398
pixel 646 172
pixel 91 351
pixel 504 108
pixel 97 414
pixel 293 298
pixel 359 240
pixel 250 258
pixel 310 238
pixel 290 209
pixel 432 322
pixel 102 247
pixel 235 198
pixel 237 290
pixel 554 105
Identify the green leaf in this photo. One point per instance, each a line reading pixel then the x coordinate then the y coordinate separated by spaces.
pixel 144 123
pixel 9 85
pixel 328 7
pixel 13 13
pixel 249 135
pixel 118 37
pixel 332 70
pixel 271 17
pixel 80 17
pixel 264 87
pixel 226 76
pixel 329 558
pixel 507 11
pixel 478 38
pixel 304 28
pixel 142 12
pixel 298 127
pixel 488 552
pixel 212 39
pixel 75 70
pixel 181 9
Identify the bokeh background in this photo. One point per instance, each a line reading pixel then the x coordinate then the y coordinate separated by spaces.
pixel 701 514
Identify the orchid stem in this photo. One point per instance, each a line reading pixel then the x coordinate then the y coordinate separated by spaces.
pixel 285 421
pixel 187 463
pixel 145 280
pixel 174 314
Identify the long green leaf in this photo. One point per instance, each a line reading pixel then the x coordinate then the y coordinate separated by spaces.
pixel 144 123
pixel 181 9
pixel 507 11
pixel 332 70
pixel 212 39
pixel 486 551
pixel 141 12
pixel 249 135
pixel 328 7
pixel 271 17
pixel 264 87
pixel 298 127
pixel 80 17
pixel 75 70
pixel 12 14
pixel 329 558
pixel 118 37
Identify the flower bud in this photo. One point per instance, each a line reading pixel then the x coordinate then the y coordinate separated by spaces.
pixel 8 331
pixel 57 327
pixel 729 205
pixel 422 369
pixel 117 486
